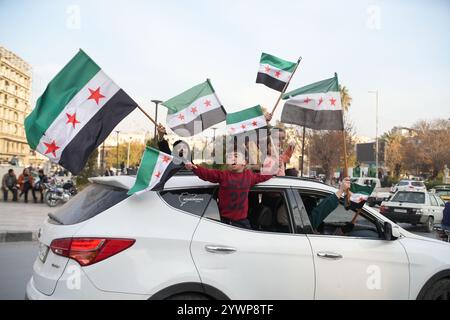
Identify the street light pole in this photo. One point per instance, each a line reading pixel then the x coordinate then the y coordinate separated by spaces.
pixel 214 145
pixel 128 153
pixel 117 151
pixel 156 102
pixel 376 132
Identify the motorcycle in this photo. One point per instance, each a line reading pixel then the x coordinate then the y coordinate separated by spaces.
pixel 441 233
pixel 56 193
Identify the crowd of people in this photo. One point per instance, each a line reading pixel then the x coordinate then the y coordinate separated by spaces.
pixel 23 184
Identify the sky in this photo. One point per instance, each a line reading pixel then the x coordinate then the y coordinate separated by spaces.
pixel 157 49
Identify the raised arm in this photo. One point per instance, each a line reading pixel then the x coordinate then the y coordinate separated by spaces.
pixel 258 178
pixel 211 175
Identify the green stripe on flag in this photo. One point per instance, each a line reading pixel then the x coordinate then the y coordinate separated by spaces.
pixel 64 86
pixel 357 188
pixel 277 62
pixel 146 168
pixel 243 115
pixel 316 87
pixel 184 100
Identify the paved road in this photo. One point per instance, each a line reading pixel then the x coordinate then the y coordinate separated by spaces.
pixel 16 265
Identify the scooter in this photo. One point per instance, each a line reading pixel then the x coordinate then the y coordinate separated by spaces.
pixel 442 234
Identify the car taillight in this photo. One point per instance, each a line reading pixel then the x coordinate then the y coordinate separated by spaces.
pixel 87 251
pixel 383 209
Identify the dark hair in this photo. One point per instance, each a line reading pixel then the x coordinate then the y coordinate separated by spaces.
pixel 177 142
pixel 41 171
pixel 10 170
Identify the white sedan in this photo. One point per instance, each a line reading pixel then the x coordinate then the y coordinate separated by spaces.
pixel 171 244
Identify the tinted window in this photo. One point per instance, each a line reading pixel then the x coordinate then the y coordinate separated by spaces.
pixel 411 197
pixel 417 184
pixel 443 193
pixel 403 183
pixel 189 200
pixel 93 200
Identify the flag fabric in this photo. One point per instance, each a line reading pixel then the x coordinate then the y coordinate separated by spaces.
pixel 246 120
pixel 360 194
pixel 194 110
pixel 274 72
pixel 76 113
pixel 316 106
pixel 155 169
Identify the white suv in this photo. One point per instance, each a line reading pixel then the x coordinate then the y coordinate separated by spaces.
pixel 410 185
pixel 171 244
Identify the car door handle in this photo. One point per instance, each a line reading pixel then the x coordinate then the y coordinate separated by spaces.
pixel 220 249
pixel 329 255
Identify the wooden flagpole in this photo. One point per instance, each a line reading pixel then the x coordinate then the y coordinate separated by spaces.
pixel 148 116
pixel 285 86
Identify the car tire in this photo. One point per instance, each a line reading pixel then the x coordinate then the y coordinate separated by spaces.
pixel 188 296
pixel 440 290
pixel 429 224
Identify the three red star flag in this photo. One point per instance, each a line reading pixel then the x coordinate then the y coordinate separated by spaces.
pixel 246 120
pixel 194 110
pixel 316 106
pixel 76 113
pixel 274 72
pixel 155 169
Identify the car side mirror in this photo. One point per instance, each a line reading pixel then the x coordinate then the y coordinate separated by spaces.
pixel 389 232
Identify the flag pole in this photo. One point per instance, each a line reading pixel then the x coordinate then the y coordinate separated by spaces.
pixel 303 150
pixel 286 85
pixel 344 140
pixel 148 116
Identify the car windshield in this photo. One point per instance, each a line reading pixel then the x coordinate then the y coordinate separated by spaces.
pixel 417 184
pixel 411 197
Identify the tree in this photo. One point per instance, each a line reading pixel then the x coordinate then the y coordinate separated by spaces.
pixel 89 170
pixel 393 152
pixel 136 150
pixel 346 99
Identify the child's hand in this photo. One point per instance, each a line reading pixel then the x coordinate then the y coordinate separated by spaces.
pixel 268 116
pixel 190 166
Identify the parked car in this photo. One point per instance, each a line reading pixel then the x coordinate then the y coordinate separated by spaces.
pixel 171 244
pixel 410 185
pixel 378 195
pixel 415 207
pixel 443 191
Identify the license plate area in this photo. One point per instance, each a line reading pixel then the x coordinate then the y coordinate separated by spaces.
pixel 401 210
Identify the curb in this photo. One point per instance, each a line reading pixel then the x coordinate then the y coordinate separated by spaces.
pixel 18 236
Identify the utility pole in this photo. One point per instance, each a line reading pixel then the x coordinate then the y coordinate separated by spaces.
pixel 376 131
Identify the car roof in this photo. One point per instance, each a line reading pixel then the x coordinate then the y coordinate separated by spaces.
pixel 192 181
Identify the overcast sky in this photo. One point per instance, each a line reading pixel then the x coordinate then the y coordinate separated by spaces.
pixel 157 49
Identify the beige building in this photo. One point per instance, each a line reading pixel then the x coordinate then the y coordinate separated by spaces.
pixel 15 93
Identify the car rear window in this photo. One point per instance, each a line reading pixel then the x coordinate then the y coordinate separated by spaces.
pixel 93 200
pixel 417 184
pixel 403 183
pixel 411 197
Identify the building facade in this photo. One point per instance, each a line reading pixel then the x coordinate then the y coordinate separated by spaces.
pixel 15 91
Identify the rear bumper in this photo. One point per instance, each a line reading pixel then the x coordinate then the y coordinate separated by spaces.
pixel 70 288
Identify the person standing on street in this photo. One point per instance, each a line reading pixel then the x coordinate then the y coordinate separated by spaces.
pixel 9 183
pixel 26 183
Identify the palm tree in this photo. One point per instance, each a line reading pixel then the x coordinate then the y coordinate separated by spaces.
pixel 345 97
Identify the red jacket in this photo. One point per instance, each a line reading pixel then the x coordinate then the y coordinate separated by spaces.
pixel 233 189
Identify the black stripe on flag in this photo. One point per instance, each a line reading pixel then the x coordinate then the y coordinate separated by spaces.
pixel 207 120
pixel 171 169
pixel 76 153
pixel 318 120
pixel 270 81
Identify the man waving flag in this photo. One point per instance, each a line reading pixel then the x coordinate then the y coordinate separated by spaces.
pixel 76 113
pixel 274 72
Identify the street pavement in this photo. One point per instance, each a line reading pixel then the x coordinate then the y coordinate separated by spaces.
pixel 16 268
pixel 20 216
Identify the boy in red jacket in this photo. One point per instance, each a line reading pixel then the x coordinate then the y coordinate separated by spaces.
pixel 234 185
